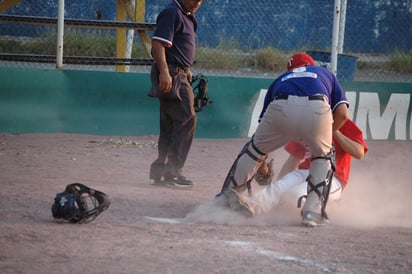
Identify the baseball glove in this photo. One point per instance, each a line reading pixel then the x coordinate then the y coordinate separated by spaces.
pixel 201 91
pixel 264 174
pixel 79 204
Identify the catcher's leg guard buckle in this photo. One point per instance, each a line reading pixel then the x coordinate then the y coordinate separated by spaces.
pixel 323 196
pixel 255 154
pixel 326 184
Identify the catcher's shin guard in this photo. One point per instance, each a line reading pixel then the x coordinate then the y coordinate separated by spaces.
pixel 322 189
pixel 254 154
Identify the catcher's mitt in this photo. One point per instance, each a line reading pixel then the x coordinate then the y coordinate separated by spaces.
pixel 264 174
pixel 201 92
pixel 79 204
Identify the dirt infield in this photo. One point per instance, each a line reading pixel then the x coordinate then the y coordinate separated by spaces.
pixel 370 230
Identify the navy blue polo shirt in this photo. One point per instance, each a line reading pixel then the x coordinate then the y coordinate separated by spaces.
pixel 305 81
pixel 176 28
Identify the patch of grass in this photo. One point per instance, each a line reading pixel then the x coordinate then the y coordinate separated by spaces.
pixel 227 55
pixel 228 44
pixel 401 61
pixel 208 58
pixel 91 44
pixel 270 59
pixel 94 43
pixel 11 46
pixel 267 59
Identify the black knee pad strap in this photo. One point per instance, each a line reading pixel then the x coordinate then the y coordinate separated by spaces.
pixel 230 176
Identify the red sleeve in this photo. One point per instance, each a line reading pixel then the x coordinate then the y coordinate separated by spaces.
pixel 343 159
pixel 296 149
pixel 351 130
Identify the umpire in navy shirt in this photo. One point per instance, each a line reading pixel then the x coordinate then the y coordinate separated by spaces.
pixel 173 50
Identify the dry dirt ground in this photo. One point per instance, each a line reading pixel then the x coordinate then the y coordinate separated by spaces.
pixel 370 230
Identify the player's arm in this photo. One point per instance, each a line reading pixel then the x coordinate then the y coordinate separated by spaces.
pixel 159 55
pixel 290 165
pixel 340 115
pixel 355 149
pixel 297 153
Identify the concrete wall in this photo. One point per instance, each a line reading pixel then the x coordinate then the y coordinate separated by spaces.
pixel 114 103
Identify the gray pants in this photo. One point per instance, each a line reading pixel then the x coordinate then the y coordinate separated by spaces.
pixel 295 118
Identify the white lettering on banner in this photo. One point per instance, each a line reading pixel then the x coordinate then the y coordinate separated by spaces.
pixel 366 107
pixel 395 112
pixel 351 96
pixel 256 112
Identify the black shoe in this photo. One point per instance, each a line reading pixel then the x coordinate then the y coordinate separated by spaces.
pixel 179 182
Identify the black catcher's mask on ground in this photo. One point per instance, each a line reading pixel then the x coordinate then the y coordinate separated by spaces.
pixel 200 89
pixel 79 204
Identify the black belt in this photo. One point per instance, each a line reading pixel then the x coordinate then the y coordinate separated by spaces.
pixel 184 69
pixel 319 97
pixel 181 68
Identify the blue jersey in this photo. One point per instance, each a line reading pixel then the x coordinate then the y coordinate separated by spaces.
pixel 305 81
pixel 176 28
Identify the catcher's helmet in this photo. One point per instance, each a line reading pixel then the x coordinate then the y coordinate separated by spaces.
pixel 79 204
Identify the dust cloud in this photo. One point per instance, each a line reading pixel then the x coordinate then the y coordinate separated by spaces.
pixel 378 194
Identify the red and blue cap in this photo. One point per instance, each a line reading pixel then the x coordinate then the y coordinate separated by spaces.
pixel 300 59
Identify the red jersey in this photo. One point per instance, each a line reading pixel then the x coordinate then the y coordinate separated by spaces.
pixel 343 159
